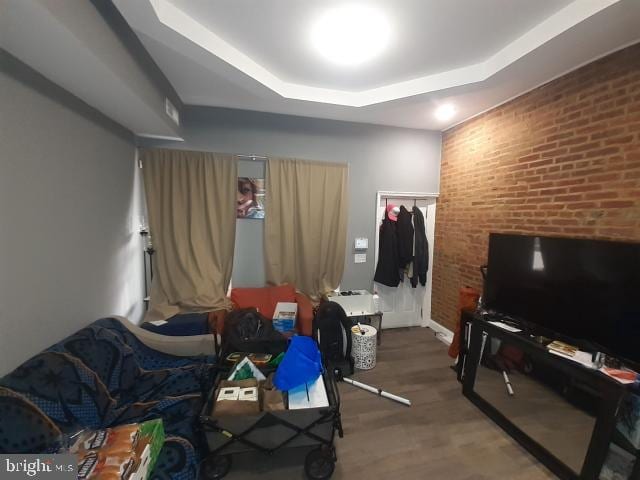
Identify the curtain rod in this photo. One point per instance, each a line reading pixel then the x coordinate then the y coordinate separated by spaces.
pixel 409 195
pixel 252 157
pixel 262 157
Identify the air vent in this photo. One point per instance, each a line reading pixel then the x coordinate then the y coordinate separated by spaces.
pixel 172 111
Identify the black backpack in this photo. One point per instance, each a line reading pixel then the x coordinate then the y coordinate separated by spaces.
pixel 246 330
pixel 332 330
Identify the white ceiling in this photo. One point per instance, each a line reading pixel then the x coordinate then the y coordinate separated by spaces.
pixel 475 54
pixel 427 36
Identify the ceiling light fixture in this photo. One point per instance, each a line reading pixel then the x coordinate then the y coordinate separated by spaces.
pixel 351 34
pixel 445 112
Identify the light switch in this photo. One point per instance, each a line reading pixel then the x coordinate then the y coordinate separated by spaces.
pixel 360 258
pixel 361 243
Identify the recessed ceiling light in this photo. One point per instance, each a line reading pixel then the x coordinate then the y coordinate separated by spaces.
pixel 445 112
pixel 351 34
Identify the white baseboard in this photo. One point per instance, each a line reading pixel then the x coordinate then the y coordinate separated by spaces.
pixel 442 333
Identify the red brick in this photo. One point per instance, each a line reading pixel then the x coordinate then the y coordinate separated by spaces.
pixel 607 177
pixel 583 147
pixel 546 146
pixel 581 205
pixel 529 158
pixel 617 204
pixel 567 198
pixel 562 160
pixel 619 140
pixel 600 195
pixel 585 188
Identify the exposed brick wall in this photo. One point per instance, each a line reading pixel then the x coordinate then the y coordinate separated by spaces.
pixel 561 160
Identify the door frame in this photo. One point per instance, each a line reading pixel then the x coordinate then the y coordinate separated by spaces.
pixel 382 194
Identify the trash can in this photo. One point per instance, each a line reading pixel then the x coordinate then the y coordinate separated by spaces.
pixel 363 346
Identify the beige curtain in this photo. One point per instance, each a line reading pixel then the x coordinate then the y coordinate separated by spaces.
pixel 191 204
pixel 305 224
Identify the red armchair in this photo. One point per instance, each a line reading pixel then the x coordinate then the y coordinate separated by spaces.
pixel 265 300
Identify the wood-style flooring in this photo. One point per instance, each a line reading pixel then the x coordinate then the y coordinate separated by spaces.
pixel 442 436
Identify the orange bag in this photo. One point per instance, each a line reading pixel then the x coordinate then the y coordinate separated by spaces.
pixel 468 301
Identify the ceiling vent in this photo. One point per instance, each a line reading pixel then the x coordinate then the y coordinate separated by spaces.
pixel 172 111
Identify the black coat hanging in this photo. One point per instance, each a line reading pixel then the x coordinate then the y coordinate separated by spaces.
pixel 388 269
pixel 404 228
pixel 420 250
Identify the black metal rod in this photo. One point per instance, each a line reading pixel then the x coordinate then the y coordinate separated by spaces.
pixel 151 251
pixel 144 271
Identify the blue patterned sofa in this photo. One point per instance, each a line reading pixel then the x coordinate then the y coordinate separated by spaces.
pixel 110 373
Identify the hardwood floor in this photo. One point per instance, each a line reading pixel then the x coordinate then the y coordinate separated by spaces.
pixel 442 436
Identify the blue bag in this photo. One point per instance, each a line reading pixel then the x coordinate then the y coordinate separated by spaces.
pixel 301 364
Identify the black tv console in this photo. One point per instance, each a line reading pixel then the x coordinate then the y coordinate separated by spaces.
pixel 562 412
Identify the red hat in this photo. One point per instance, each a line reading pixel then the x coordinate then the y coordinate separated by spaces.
pixel 392 212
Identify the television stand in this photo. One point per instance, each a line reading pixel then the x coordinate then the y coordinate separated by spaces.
pixel 563 413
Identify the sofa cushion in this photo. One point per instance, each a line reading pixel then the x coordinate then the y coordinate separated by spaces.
pixel 116 358
pixel 181 325
pixel 179 415
pixel 64 388
pixel 264 299
pixel 24 428
pixel 63 392
pixel 177 461
pixel 153 385
pixel 146 357
pixel 104 353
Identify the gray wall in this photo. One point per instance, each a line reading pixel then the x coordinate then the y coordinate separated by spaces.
pixel 69 253
pixel 248 261
pixel 90 50
pixel 379 158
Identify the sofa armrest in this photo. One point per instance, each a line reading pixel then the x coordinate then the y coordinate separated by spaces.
pixel 305 314
pixel 179 346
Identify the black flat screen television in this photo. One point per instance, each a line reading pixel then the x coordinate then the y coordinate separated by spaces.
pixel 582 289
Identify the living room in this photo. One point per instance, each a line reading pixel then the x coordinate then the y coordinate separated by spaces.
pixel 459 183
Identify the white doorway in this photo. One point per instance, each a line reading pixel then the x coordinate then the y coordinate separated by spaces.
pixel 405 306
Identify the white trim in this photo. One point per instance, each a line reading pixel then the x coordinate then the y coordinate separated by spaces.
pixel 392 194
pixel 442 333
pixel 544 82
pixel 160 137
pixel 568 17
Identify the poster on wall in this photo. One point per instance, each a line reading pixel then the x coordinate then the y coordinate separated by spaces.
pixel 250 198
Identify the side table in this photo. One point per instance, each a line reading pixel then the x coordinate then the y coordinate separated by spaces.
pixel 363 348
pixel 368 320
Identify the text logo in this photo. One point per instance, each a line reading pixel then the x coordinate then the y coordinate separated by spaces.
pixel 38 466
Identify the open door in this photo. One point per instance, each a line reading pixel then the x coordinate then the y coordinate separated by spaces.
pixel 405 306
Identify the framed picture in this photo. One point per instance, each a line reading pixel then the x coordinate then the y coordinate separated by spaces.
pixel 250 198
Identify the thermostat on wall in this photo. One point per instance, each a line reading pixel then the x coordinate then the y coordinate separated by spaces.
pixel 360 258
pixel 361 243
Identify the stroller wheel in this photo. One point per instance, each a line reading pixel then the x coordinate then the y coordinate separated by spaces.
pixel 215 466
pixel 319 464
